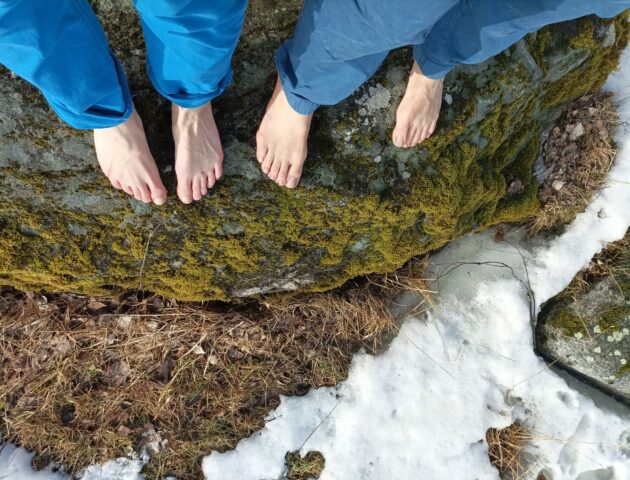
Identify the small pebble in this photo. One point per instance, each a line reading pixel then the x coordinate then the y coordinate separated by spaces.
pixel 124 322
pixel 557 185
pixel 577 132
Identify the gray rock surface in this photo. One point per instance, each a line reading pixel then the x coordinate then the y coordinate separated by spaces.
pixel 590 335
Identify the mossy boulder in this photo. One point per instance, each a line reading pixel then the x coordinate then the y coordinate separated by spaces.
pixel 588 333
pixel 363 205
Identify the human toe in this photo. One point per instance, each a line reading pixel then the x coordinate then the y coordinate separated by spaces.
pixel 267 162
pixel 398 137
pixel 218 170
pixel 184 190
pixel 196 189
pixel 145 195
pixel 283 174
pixel 294 175
pixel 275 168
pixel 261 148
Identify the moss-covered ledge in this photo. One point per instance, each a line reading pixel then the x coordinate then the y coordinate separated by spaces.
pixel 364 206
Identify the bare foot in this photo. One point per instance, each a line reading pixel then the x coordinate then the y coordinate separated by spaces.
pixel 281 140
pixel 125 158
pixel 418 111
pixel 198 151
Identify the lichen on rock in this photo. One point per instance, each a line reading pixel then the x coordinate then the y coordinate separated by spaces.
pixel 363 205
pixel 586 328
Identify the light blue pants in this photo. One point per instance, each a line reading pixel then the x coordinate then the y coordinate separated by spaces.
pixel 60 47
pixel 339 44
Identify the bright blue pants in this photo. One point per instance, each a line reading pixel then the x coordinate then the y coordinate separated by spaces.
pixel 339 44
pixel 60 47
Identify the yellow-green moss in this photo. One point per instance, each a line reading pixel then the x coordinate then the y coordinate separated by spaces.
pixel 612 319
pixel 585 39
pixel 538 44
pixel 568 323
pixel 592 74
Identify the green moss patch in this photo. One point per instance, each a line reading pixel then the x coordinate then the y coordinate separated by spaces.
pixel 567 322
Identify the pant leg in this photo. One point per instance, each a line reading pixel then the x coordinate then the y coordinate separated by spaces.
pixel 337 45
pixel 60 48
pixel 190 44
pixel 475 30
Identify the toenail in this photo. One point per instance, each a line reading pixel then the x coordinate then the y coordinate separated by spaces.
pixel 292 182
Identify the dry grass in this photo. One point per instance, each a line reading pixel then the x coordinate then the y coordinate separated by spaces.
pixel 581 164
pixel 613 262
pixel 504 449
pixel 307 467
pixel 85 380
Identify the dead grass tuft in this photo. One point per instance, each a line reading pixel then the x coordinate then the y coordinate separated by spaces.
pixel 613 262
pixel 84 380
pixel 577 155
pixel 307 467
pixel 504 449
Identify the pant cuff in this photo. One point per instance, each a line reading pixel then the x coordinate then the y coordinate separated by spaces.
pixel 193 100
pixel 296 102
pixel 429 67
pixel 97 116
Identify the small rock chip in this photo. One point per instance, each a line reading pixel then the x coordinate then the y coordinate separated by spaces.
pixel 95 306
pixel 557 185
pixel 124 322
pixel 516 187
pixel 197 350
pixel 41 300
pixel 117 374
pixel 235 354
pixel 577 132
